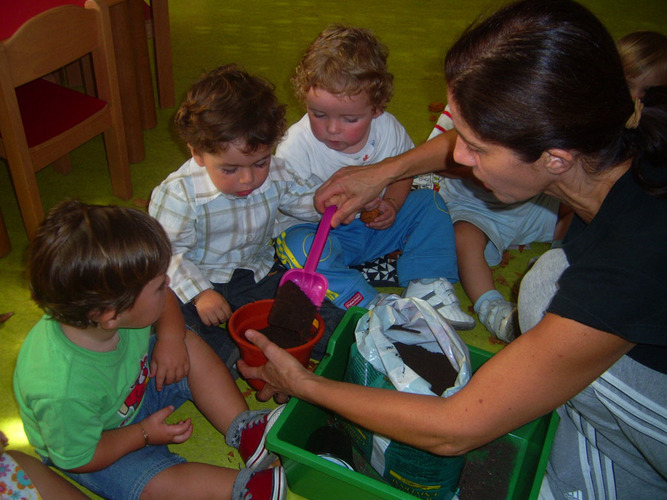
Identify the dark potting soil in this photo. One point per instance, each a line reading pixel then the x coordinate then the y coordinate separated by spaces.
pixel 487 471
pixel 283 337
pixel 293 310
pixel 433 367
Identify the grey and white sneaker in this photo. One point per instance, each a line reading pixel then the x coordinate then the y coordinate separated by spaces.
pixel 500 318
pixel 441 296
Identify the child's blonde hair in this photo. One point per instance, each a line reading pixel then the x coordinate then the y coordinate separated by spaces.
pixel 644 58
pixel 346 61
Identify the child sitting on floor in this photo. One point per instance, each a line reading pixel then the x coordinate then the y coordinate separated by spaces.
pixel 345 85
pixel 95 388
pixel 220 207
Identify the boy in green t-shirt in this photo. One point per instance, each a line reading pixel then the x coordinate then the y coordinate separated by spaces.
pixel 95 388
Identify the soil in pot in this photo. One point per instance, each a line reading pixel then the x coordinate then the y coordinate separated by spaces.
pixel 291 317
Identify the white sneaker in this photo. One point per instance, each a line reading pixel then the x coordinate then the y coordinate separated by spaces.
pixel 500 318
pixel 441 296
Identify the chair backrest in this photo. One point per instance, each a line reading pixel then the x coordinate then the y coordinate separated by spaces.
pixel 15 14
pixel 51 40
pixel 64 118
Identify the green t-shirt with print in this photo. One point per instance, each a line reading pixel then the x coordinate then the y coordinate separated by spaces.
pixel 68 395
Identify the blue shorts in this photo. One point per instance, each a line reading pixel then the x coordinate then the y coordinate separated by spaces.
pixel 126 478
pixel 503 224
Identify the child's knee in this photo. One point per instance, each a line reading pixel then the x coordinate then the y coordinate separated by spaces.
pixel 293 244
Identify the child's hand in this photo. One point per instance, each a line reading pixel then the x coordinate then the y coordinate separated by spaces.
pixel 170 361
pixel 160 432
pixel 212 307
pixel 387 215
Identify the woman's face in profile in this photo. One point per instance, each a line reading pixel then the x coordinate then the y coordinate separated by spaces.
pixel 499 168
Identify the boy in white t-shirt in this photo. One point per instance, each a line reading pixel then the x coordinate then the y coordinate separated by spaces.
pixel 344 83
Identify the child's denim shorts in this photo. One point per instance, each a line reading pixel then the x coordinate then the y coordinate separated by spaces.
pixel 126 478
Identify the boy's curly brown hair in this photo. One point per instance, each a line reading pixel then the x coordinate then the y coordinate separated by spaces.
pixel 228 105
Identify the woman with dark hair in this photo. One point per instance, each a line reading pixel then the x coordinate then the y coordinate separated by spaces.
pixel 540 103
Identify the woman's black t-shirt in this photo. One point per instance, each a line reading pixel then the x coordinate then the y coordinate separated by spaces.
pixel 617 278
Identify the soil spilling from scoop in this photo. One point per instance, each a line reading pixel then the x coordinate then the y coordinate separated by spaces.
pixel 291 317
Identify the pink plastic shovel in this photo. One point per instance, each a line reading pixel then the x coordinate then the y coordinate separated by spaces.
pixel 312 284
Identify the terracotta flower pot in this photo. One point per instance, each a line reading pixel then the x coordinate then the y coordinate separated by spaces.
pixel 255 316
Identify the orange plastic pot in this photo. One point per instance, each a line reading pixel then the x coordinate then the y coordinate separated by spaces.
pixel 255 316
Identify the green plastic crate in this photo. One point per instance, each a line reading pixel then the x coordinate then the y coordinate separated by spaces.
pixel 315 478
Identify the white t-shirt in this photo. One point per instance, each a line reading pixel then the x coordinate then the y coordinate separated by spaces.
pixel 312 160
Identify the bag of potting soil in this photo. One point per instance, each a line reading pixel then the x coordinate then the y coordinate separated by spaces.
pixel 404 344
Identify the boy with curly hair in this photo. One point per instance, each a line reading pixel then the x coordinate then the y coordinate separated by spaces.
pixel 220 206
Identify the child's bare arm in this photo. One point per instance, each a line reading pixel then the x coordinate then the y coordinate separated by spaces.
pixel 116 443
pixel 170 361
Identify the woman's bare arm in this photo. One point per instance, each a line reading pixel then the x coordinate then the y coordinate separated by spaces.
pixel 533 375
pixel 353 187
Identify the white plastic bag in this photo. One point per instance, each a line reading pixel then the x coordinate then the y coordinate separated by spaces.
pixel 375 342
pixel 374 361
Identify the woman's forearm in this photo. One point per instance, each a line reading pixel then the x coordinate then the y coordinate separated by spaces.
pixel 431 156
pixel 351 188
pixel 533 375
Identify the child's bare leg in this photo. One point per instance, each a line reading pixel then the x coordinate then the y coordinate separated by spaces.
pixel 496 313
pixel 191 480
pixel 48 483
pixel 213 389
pixel 565 215
pixel 475 274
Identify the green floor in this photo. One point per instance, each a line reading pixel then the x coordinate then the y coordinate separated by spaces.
pixel 267 37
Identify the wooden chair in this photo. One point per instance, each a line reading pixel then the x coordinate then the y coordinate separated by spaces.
pixel 156 14
pixel 5 244
pixel 40 121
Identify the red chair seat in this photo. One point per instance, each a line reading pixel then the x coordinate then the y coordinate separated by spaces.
pixel 49 109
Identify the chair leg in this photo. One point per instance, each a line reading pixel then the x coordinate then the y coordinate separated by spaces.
pixel 27 194
pixel 5 244
pixel 142 64
pixel 119 166
pixel 88 75
pixel 164 67
pixel 127 81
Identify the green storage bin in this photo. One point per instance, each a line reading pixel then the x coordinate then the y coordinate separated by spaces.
pixel 315 478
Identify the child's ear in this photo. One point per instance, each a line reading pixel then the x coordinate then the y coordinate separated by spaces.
pixel 378 112
pixel 558 161
pixel 107 319
pixel 199 158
